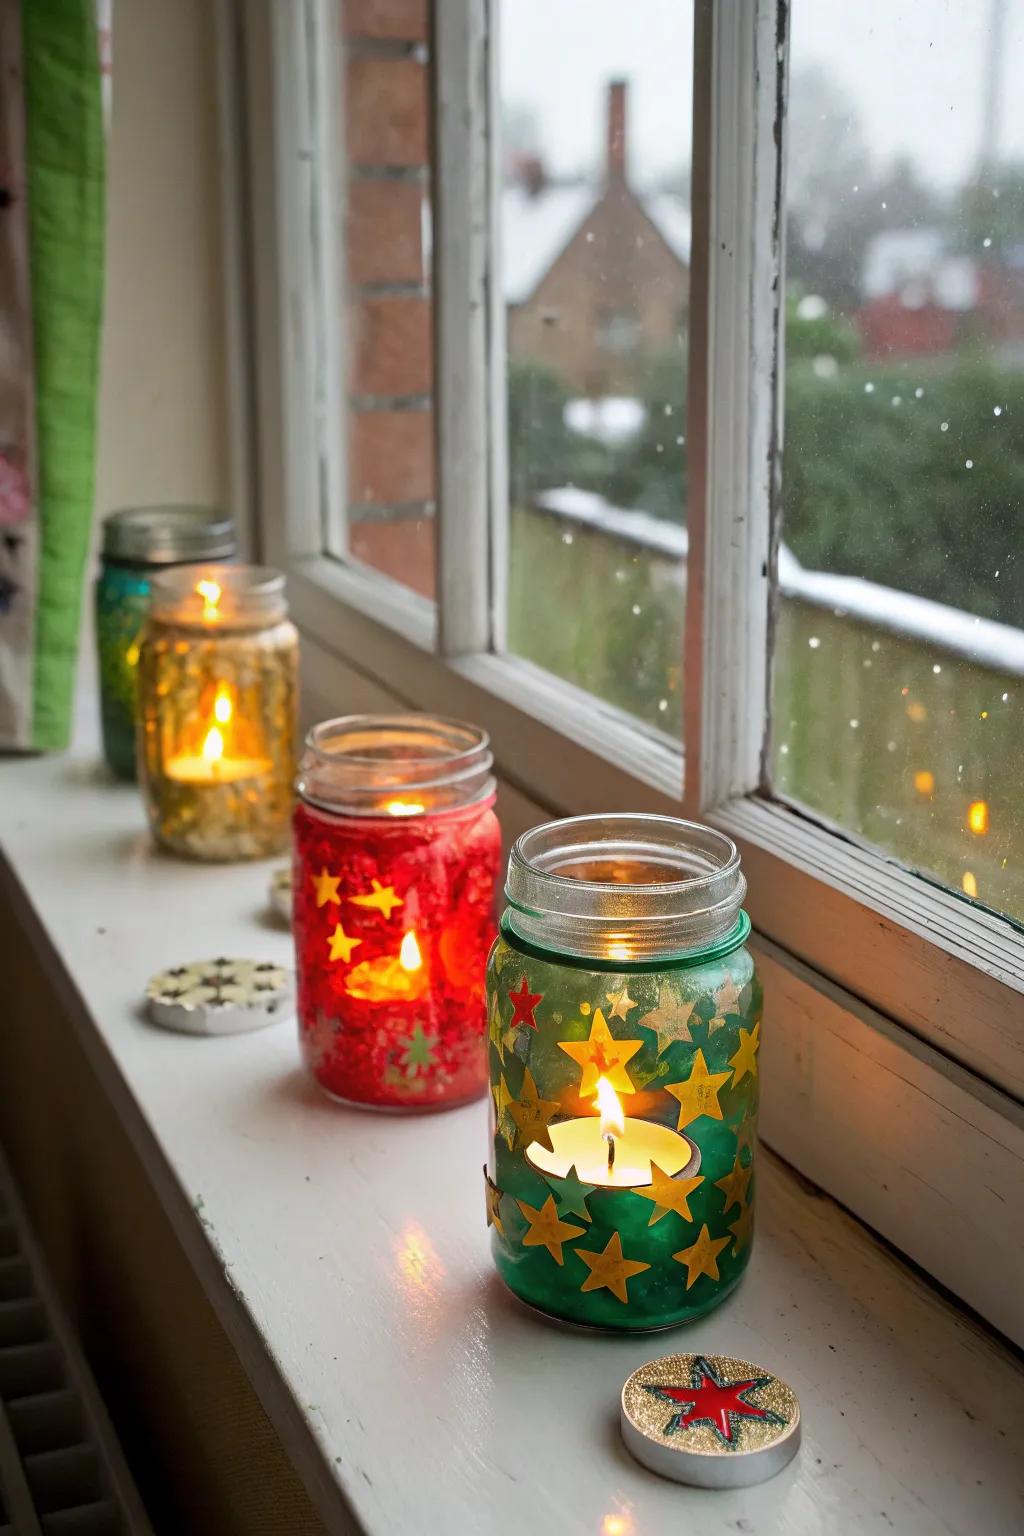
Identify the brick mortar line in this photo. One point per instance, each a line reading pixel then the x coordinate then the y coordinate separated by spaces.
pixel 390 290
pixel 414 173
pixel 411 403
pixel 382 512
pixel 387 48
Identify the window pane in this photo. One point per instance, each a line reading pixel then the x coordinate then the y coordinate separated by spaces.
pixel 595 249
pixel 387 339
pixel 899 678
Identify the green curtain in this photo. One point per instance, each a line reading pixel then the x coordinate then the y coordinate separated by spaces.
pixel 63 181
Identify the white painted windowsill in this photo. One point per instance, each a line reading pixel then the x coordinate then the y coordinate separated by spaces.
pixel 346 1255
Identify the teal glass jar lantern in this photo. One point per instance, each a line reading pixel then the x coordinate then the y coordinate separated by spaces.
pixel 623 1035
pixel 137 544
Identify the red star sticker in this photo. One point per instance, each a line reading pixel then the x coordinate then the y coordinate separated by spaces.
pixel 709 1400
pixel 524 1002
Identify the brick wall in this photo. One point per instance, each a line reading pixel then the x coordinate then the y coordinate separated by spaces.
pixel 391 479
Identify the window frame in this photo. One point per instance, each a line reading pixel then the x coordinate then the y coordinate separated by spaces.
pixel 840 920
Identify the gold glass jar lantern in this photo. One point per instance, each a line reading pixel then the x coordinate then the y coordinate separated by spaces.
pixel 218 690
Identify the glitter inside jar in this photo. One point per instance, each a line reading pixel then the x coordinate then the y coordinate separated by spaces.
pixel 218 682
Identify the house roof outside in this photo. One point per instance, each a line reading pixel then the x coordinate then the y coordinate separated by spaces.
pixel 537 226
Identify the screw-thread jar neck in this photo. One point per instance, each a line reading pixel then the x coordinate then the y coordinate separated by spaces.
pixel 400 766
pixel 219 597
pixel 624 888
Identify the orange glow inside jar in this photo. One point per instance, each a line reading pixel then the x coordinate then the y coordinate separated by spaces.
pixel 396 856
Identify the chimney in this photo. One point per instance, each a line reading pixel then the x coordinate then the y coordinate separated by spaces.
pixel 617 130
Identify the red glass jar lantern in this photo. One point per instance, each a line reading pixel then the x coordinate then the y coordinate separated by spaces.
pixel 396 858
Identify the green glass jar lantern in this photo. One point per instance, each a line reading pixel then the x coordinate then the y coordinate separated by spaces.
pixel 138 543
pixel 623 1035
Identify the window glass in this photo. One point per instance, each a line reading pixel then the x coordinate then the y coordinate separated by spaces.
pixel 388 325
pixel 898 705
pixel 595 254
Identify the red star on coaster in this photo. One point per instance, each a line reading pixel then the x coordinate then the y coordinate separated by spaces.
pixel 524 1002
pixel 710 1400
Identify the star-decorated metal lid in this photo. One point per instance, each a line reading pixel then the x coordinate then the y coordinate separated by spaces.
pixel 280 893
pixel 220 997
pixel 710 1420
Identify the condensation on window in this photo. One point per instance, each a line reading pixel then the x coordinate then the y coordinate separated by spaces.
pixel 595 261
pixel 899 670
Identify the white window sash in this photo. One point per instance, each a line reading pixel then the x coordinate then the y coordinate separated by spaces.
pixel 840 923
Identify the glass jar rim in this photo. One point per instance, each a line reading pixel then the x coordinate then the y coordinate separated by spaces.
pixel 167 535
pixel 696 905
pixel 211 597
pixel 400 765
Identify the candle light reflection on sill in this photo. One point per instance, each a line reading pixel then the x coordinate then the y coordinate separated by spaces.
pixel 616 1523
pixel 419 1273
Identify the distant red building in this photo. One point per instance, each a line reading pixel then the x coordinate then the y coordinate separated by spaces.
pixel 924 301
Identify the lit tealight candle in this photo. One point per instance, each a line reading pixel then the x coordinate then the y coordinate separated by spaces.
pixel 390 978
pixel 611 1150
pixel 212 765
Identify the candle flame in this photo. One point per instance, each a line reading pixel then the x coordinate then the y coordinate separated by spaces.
pixel 977 817
pixel 210 592
pixel 213 746
pixel 612 1123
pixel 409 956
pixel 404 808
pixel 222 709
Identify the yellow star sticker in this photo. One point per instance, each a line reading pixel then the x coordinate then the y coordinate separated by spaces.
pixel 494 1032
pixel 609 1271
pixel 698 1095
pixel 621 1003
pixel 701 1258
pixel 532 1113
pixel 601 1055
pixel 380 897
pixel 493 1194
pixel 745 1059
pixel 341 945
pixel 670 1020
pixel 727 997
pixel 546 1228
pixel 326 886
pixel 668 1194
pixel 734 1185
pixel 742 1228
pixel 502 1123
pixel 746 1136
